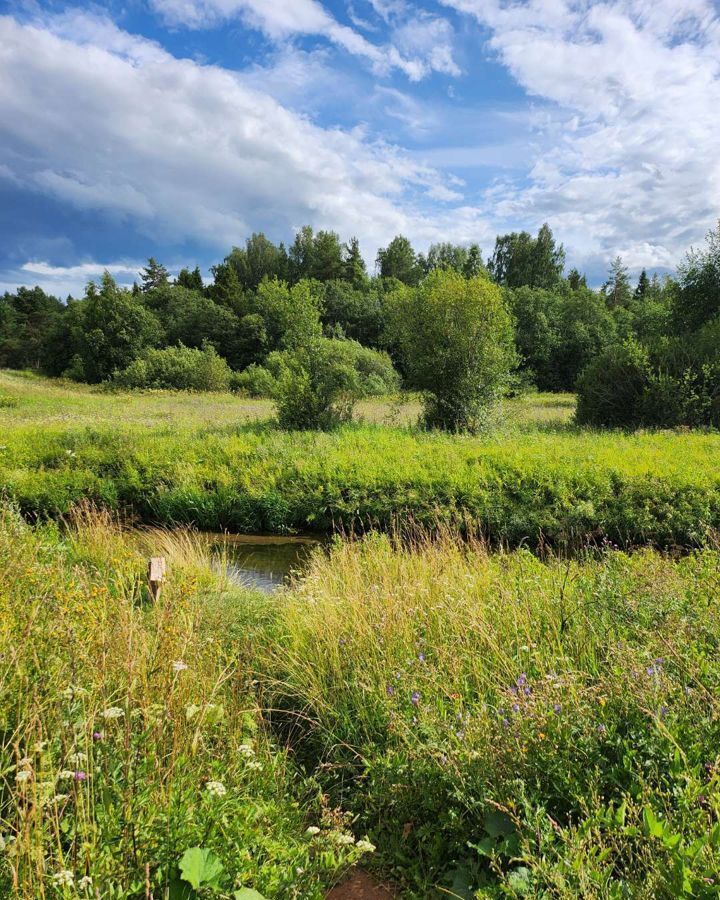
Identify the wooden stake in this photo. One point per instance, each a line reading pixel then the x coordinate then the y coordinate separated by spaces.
pixel 156 575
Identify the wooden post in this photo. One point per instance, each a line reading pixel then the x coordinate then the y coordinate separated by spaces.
pixel 156 575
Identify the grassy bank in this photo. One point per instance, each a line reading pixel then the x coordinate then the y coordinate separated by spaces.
pixel 130 733
pixel 193 459
pixel 510 726
pixel 497 725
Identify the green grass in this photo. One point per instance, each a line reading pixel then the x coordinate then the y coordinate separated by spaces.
pixel 496 725
pixel 178 458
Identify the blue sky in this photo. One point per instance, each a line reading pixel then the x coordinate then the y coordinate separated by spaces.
pixel 175 128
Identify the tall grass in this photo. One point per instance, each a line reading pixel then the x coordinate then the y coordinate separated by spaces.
pixel 130 731
pixel 513 726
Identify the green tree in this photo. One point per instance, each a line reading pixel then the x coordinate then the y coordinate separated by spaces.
pixel 398 260
pixel 153 275
pixel 291 314
pixel 113 328
pixel 190 280
pixel 519 260
pixel 537 315
pixel 327 257
pixel 697 300
pixel 642 287
pixel 300 255
pixel 27 319
pixel 457 342
pixel 259 259
pixel 354 268
pixel 617 290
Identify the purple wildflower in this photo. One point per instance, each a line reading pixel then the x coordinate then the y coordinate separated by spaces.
pixel 80 775
pixel 389 690
pixel 421 657
pixel 557 708
pixel 521 679
pixel 601 730
pixel 516 707
pixel 97 735
pixel 415 699
pixel 506 723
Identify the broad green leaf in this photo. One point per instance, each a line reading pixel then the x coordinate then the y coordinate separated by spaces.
pixel 247 894
pixel 201 867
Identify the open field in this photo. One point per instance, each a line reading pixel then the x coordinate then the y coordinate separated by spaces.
pixel 496 725
pixel 198 459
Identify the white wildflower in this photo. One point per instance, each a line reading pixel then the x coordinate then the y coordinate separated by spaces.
pixel 254 765
pixel 66 775
pixel 246 750
pixel 58 798
pixel 23 775
pixel 85 882
pixel 365 846
pixel 113 712
pixel 343 839
pixel 77 759
pixel 216 788
pixel 64 878
pixel 312 831
pixel 179 666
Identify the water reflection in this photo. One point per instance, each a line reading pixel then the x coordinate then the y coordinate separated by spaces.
pixel 260 562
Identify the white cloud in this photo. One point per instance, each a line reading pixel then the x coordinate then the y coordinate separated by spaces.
pixel 630 145
pixel 61 281
pixel 107 121
pixel 428 44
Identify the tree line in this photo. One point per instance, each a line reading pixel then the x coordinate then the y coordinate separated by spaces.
pixel 269 313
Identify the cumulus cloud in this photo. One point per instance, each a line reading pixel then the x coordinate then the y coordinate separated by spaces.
pixel 421 48
pixel 60 281
pixel 630 158
pixel 110 122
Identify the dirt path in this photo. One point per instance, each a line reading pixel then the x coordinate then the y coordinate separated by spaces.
pixel 360 886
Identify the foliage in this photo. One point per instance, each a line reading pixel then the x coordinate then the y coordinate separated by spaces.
pixel 317 386
pixel 399 260
pixel 207 460
pixel 506 726
pixel 521 260
pixel 456 338
pixel 176 368
pixel 698 298
pixel 133 749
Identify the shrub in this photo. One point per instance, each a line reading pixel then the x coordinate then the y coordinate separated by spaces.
pixel 318 386
pixel 612 387
pixel 176 368
pixel 255 381
pixel 457 343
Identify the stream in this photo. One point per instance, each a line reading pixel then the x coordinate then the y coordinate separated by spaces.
pixel 262 562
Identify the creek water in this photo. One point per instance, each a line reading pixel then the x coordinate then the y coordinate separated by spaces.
pixel 260 561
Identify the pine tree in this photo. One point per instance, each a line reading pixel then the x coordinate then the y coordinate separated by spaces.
pixel 154 275
pixel 354 268
pixel 643 285
pixel 617 287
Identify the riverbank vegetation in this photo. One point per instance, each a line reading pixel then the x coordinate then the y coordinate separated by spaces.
pixel 496 725
pixel 534 478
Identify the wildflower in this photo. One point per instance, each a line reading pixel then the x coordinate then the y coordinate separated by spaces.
pixel 415 698
pixel 246 750
pixel 516 707
pixel 179 666
pixel 66 775
pixel 421 657
pixel 557 708
pixel 113 712
pixel 506 723
pixel 601 730
pixel 389 690
pixel 254 765
pixel 365 846
pixel 75 759
pixel 63 878
pixel 663 711
pixel 521 679
pixel 343 840
pixel 602 701
pixel 23 775
pixel 85 883
pixel 312 830
pixel 80 775
pixel 58 798
pixel 216 788
pixel 97 735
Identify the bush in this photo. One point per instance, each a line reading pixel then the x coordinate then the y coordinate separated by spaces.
pixel 318 385
pixel 176 368
pixel 255 381
pixel 612 387
pixel 627 387
pixel 457 342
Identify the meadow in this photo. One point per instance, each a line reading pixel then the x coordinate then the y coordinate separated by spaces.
pixel 470 690
pixel 465 723
pixel 217 462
